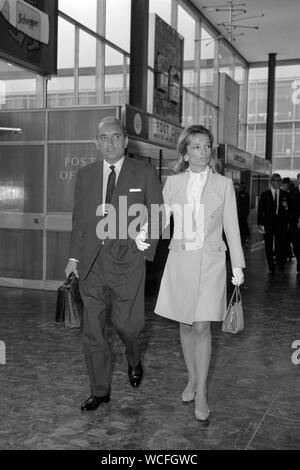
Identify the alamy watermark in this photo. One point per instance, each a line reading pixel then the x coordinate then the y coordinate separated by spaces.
pixel 114 223
pixel 2 353
pixel 296 354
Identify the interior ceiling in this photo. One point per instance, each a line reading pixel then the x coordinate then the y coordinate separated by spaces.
pixel 279 29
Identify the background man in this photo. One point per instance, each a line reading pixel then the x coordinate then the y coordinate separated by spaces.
pixel 295 221
pixel 273 218
pixel 111 270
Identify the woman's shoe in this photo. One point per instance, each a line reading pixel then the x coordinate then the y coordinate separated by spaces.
pixel 202 415
pixel 187 397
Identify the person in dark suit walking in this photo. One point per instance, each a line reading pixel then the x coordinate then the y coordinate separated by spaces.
pixel 295 221
pixel 273 214
pixel 243 205
pixel 108 248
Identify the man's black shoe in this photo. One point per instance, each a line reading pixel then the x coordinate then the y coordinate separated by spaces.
pixel 93 402
pixel 135 374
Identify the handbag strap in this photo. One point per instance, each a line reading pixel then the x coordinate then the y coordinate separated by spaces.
pixel 233 294
pixel 236 294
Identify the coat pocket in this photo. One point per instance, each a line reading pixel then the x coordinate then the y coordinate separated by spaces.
pixel 215 247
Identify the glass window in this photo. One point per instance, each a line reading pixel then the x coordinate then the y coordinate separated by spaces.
pixel 261 102
pixel 283 142
pixel 60 91
pixel 87 69
pixel 260 147
pixel 208 77
pixel 257 109
pixel 118 16
pixel 114 77
pixel 297 144
pixel 18 88
pixel 187 29
pixel 278 143
pixel 65 47
pixel 189 112
pixel 226 60
pixel 83 12
pixel 161 8
pixel 242 136
pixel 207 48
pixel 252 102
pixel 283 101
pixel 240 78
pixel 250 141
pixel 296 97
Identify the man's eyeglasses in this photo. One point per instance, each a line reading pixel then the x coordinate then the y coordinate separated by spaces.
pixel 106 138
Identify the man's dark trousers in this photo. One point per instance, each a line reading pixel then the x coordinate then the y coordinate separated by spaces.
pixel 114 287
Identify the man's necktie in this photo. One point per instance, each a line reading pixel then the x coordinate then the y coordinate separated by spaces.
pixel 110 185
pixel 275 202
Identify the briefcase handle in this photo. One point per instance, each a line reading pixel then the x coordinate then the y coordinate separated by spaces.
pixel 69 279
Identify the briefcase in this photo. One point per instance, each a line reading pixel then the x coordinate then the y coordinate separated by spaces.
pixel 69 306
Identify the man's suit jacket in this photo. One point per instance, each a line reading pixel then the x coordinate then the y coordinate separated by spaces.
pixel 138 184
pixel 266 213
pixel 295 217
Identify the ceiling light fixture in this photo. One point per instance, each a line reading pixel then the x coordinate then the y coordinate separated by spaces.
pixel 236 10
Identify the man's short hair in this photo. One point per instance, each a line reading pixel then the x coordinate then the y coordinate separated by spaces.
pixel 286 180
pixel 275 177
pixel 114 120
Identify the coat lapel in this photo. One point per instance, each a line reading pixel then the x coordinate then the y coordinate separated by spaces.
pixel 212 197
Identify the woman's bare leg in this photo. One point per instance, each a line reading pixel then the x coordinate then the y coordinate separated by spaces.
pixel 202 352
pixel 187 344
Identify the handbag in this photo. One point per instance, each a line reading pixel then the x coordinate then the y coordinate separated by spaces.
pixel 69 305
pixel 234 318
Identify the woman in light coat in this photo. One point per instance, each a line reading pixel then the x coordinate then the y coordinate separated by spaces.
pixel 193 286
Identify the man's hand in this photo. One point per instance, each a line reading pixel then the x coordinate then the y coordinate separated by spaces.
pixel 238 276
pixel 261 229
pixel 140 241
pixel 71 268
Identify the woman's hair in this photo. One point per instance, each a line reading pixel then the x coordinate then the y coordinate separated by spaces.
pixel 184 140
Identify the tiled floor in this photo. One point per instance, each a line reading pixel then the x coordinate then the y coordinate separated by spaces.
pixel 254 388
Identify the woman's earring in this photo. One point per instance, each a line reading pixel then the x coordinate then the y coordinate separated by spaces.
pixel 186 158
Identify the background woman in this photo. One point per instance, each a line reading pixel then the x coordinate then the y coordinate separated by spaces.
pixel 193 286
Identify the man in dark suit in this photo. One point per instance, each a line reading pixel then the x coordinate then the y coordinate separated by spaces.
pixel 109 245
pixel 273 214
pixel 295 221
pixel 243 203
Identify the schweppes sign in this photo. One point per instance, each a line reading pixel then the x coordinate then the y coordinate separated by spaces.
pixel 26 18
pixel 28 33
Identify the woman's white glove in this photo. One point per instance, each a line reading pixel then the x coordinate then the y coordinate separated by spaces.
pixel 238 276
pixel 140 239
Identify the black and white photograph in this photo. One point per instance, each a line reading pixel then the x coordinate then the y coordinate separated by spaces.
pixel 149 229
